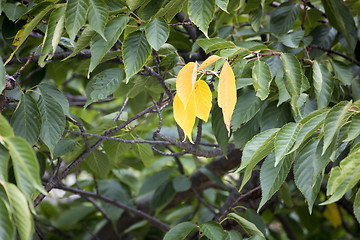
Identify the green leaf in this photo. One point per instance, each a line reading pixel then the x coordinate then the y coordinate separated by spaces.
pixel 136 51
pixel 212 230
pixel 285 139
pixel 162 196
pixel 209 44
pixel 63 147
pixel 170 9
pixel 249 227
pixel 153 181
pixel 357 206
pixel 20 211
pixel 26 166
pixel 103 84
pixel 7 228
pixel 14 10
pixel 255 18
pixel 323 84
pixel 75 16
pixel 180 231
pixel 261 77
pixel 26 119
pixel 293 39
pixel 51 90
pixel 2 75
pixel 354 128
pixel 115 149
pixel 157 32
pixel 5 128
pixel 246 132
pixel 293 72
pixel 307 168
pixel 280 82
pixel 334 120
pixel 344 177
pixel 222 4
pixel 255 150
pixel 145 153
pixel 99 47
pixel 284 17
pixel 343 72
pixel 181 183
pixel 98 163
pixel 201 13
pixel 150 9
pixel 53 121
pixel 271 178
pixel 270 120
pixel 83 41
pixel 53 34
pixel 219 128
pixel 245 112
pixel 97 16
pixel 4 162
pixel 232 235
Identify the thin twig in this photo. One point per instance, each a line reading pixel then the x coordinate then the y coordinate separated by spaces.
pixel 82 130
pixel 336 53
pixel 17 74
pixel 121 110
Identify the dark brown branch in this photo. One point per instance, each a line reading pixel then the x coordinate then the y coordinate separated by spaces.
pixel 121 109
pixel 336 53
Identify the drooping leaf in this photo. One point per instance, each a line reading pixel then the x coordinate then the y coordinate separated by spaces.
pixel 248 226
pixel 280 82
pixel 2 75
pixel 180 231
pixel 323 84
pixel 97 16
pixel 103 84
pixel 271 178
pixel 83 41
pixel 210 60
pixel 222 4
pixel 201 13
pixel 185 117
pixel 212 230
pixel 136 50
pixel 354 128
pixel 75 16
pixel 293 39
pixel 14 10
pixel 285 139
pixel 283 17
pixel 5 128
pixel 261 77
pixel 52 91
pixel 145 153
pixel 293 72
pixel 227 93
pixel 203 100
pixel 26 119
pixel 98 163
pixel 7 228
pixel 185 82
pixel 219 128
pixel 99 47
pixel 343 72
pixel 357 206
pixel 157 32
pixel 53 33
pixel 270 120
pixel 4 163
pixel 53 121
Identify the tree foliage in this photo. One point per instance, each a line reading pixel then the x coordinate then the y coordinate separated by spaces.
pixel 174 119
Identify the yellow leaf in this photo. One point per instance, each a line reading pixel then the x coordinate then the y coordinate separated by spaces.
pixel 185 117
pixel 333 215
pixel 185 82
pixel 18 36
pixel 227 93
pixel 203 99
pixel 208 61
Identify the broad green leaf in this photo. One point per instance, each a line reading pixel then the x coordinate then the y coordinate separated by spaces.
pixel 206 43
pixel 52 91
pixel 136 51
pixel 99 47
pixel 157 32
pixel 63 147
pixel 53 34
pixel 227 93
pixel 357 206
pixel 255 18
pixel 343 72
pixel 284 17
pixel 246 132
pixel 270 120
pixel 248 226
pixel 2 75
pixel 181 183
pixel 153 181
pixel 150 9
pixel 180 231
pixel 292 72
pixel 23 33
pixel 115 149
pixel 26 166
pixel 76 11
pixel 170 9
pixel 261 77
pixel 293 39
pixel 53 121
pixel 185 82
pixel 212 230
pixel 14 10
pixel 201 13
pixel 5 128
pixel 232 235
pixel 334 120
pixel 245 112
pixel 285 139
pixel 162 196
pixel 323 84
pixel 211 175
pixel 145 153
pixel 20 211
pixel 280 82
pixel 271 178
pixel 97 16
pixel 103 84
pixel 7 228
pixel 354 128
pixel 203 100
pixel 185 116
pixel 306 170
pixel 83 41
pixel 340 18
pixel 209 61
pixel 4 163
pixel 219 128
pixel 98 163
pixel 344 177
pixel 26 119
pixel 222 4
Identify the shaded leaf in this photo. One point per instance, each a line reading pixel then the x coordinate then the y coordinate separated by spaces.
pixel 343 72
pixel 357 206
pixel 280 82
pixel 2 75
pixel 180 231
pixel 59 97
pixel 145 153
pixel 323 84
pixel 212 230
pixel 98 163
pixel 354 128
pixel 292 39
pixel 284 17
pixel 83 41
pixel 181 183
pixel 75 16
pixel 4 162
pixel 332 213
pixel 7 228
pixel 219 128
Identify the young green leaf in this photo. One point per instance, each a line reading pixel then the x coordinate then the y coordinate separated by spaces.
pixel 98 163
pixel 201 12
pixel 2 75
pixel 157 32
pixel 76 11
pixel 261 77
pixel 97 16
pixel 323 84
pixel 180 231
pixel 145 153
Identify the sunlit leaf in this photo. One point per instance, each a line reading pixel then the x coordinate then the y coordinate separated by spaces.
pixel 249 227
pixel 209 61
pixel 185 82
pixel 5 128
pixel 203 100
pixel 212 230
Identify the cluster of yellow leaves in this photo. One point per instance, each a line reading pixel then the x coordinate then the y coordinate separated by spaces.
pixel 194 98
